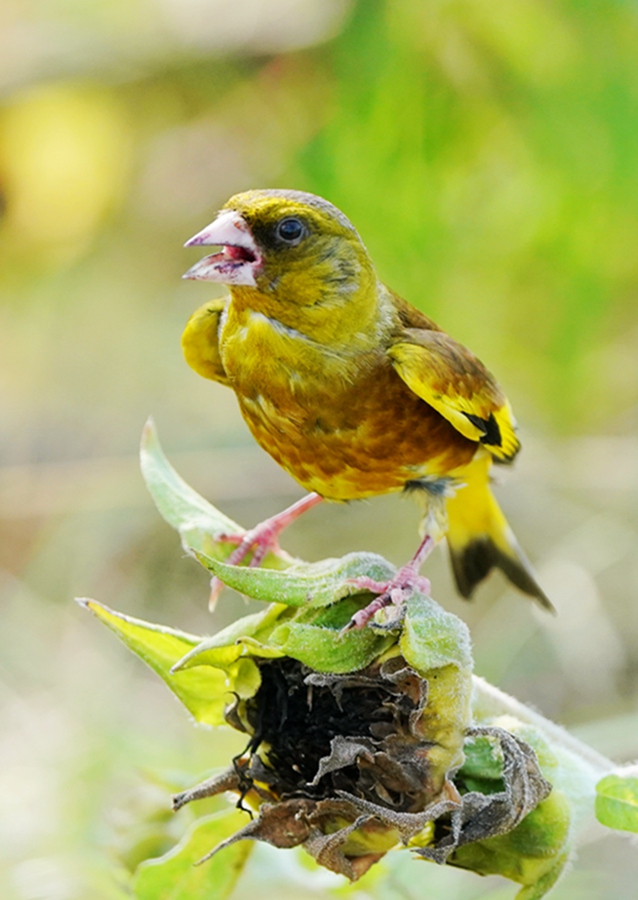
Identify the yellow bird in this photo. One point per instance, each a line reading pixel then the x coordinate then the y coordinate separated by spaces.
pixel 353 391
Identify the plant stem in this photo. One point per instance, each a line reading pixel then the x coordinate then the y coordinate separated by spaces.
pixel 489 701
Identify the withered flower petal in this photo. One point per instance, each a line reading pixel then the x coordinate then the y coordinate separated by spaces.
pixel 482 816
pixel 349 766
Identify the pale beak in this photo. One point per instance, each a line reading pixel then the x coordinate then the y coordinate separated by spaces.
pixel 239 258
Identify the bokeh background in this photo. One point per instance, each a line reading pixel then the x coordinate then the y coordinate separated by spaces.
pixel 487 151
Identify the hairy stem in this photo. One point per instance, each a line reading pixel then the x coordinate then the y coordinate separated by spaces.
pixel 489 701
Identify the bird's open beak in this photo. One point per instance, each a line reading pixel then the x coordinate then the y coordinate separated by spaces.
pixel 239 258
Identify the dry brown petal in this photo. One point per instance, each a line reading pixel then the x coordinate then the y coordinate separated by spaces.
pixel 482 816
pixel 218 784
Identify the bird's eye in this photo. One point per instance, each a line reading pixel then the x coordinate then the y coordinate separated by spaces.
pixel 290 230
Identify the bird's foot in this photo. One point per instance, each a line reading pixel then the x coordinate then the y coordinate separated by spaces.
pixel 394 592
pixel 261 540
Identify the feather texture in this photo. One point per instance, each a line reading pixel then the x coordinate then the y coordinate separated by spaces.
pixel 352 390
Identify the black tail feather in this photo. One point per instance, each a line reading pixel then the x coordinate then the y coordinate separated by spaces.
pixel 475 560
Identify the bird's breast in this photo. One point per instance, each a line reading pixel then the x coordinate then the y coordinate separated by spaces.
pixel 344 425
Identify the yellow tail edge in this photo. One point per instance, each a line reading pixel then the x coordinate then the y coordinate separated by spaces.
pixel 480 539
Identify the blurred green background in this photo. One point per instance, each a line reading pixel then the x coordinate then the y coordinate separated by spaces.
pixel 488 154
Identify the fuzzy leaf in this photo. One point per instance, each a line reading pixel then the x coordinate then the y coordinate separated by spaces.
pixel 246 637
pixel 483 761
pixel 432 638
pixel 302 584
pixel 315 640
pixel 199 523
pixel 175 874
pixel 534 854
pixel 196 519
pixel 617 800
pixel 545 883
pixel 311 637
pixel 252 626
pixel 203 691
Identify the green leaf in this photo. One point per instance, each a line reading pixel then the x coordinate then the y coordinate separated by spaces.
pixel 317 648
pixel 203 691
pixel 545 883
pixel 231 648
pixel 617 800
pixel 533 854
pixel 313 638
pixel 199 523
pixel 483 761
pixel 303 584
pixel 196 519
pixel 432 638
pixel 176 876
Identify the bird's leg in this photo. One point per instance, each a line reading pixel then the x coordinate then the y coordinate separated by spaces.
pixel 397 590
pixel 261 539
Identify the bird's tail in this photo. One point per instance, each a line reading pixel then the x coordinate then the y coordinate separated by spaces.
pixel 479 538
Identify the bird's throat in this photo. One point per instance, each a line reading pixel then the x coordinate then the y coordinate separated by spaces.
pixel 343 324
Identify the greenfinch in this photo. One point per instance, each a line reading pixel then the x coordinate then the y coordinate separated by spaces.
pixel 353 391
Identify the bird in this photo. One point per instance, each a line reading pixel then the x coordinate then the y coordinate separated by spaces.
pixel 351 389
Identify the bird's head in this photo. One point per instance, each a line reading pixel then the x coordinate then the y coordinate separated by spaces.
pixel 286 248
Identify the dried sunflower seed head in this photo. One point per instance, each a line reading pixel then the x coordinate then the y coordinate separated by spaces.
pixel 351 765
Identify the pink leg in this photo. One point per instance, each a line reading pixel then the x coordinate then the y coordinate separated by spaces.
pixel 405 582
pixel 261 539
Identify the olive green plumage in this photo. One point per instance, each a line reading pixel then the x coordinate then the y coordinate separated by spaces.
pixel 352 390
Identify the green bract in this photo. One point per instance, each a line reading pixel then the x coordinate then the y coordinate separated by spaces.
pixel 358 742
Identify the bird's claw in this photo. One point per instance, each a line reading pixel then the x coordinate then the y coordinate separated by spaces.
pixel 261 540
pixel 391 593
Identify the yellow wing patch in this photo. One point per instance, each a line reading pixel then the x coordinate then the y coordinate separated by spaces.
pixel 457 385
pixel 510 444
pixel 200 341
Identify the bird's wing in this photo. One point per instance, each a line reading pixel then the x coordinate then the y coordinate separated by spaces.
pixel 453 381
pixel 200 341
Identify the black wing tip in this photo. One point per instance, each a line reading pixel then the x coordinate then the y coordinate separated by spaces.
pixel 492 438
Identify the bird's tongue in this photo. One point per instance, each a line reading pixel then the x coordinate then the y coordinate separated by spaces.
pixel 232 265
pixel 238 253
